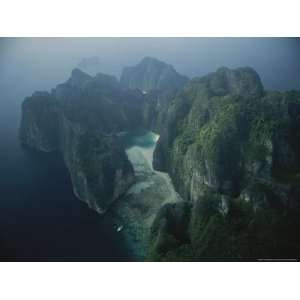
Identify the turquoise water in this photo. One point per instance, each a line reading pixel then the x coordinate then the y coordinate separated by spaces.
pixel 140 148
pixel 141 138
pixel 142 202
pixel 145 140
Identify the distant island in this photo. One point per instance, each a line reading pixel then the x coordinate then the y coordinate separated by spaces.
pixel 90 65
pixel 225 179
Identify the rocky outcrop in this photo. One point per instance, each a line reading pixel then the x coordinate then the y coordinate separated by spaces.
pixel 219 136
pixel 152 74
pixel 98 166
pixel 159 83
pixel 80 118
pixel 231 148
pixel 39 123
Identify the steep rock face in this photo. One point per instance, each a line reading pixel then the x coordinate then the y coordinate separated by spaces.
pixel 159 83
pixel 99 103
pixel 169 229
pixel 98 166
pixel 152 74
pixel 83 116
pixel 232 151
pixel 221 137
pixel 80 118
pixel 39 123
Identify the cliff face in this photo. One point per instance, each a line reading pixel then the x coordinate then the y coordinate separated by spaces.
pixel 98 166
pixel 220 134
pixel 152 74
pixel 39 124
pixel 80 118
pixel 159 82
pixel 232 151
pixel 231 148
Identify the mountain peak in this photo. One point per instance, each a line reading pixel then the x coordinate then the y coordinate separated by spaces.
pixel 78 78
pixel 152 74
pixel 243 81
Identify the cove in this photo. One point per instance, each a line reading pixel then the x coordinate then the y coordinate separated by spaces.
pixel 136 211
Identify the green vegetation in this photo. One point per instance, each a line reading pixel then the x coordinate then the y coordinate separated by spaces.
pixel 241 234
pixel 184 140
pixel 232 134
pixel 94 153
pixel 220 130
pixel 231 148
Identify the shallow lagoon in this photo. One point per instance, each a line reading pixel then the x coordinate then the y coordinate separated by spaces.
pixel 136 211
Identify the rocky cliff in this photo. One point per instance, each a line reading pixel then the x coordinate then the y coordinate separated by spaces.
pixel 152 74
pixel 232 150
pixel 159 82
pixel 39 124
pixel 81 119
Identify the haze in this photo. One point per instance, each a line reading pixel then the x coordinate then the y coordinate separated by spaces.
pixel 29 64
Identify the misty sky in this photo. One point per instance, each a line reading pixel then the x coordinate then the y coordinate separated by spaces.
pixel 29 64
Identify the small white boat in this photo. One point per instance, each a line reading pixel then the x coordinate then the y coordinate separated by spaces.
pixel 119 228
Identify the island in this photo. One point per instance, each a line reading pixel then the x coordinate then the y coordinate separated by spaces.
pixel 196 169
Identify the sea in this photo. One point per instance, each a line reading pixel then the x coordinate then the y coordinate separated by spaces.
pixel 40 217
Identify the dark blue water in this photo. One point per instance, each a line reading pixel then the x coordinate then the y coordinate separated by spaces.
pixel 40 218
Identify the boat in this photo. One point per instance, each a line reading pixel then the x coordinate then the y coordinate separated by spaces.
pixel 119 228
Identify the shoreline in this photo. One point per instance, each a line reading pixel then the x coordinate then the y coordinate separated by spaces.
pixel 136 211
